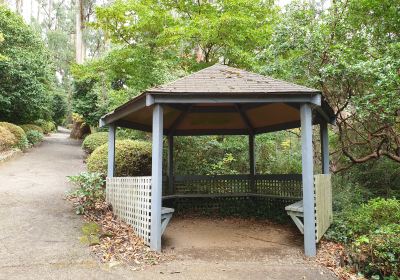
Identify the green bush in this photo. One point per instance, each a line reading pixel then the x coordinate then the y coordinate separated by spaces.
pixel 377 254
pixel 372 235
pixel 34 136
pixel 29 127
pixel 7 139
pixel 132 158
pixel 21 141
pixel 94 140
pixel 47 126
pixel 89 192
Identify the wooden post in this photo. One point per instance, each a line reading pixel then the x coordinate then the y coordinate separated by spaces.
pixel 252 162
pixel 324 147
pixel 156 178
pixel 308 180
pixel 170 164
pixel 111 150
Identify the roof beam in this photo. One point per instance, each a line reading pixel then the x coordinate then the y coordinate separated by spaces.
pixel 179 120
pixel 133 125
pixel 245 119
pixel 123 111
pixel 199 132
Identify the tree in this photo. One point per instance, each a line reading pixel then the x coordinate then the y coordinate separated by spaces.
pixel 234 31
pixel 60 107
pixel 26 75
pixel 351 52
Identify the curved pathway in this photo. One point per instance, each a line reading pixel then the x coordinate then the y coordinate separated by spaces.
pixel 39 230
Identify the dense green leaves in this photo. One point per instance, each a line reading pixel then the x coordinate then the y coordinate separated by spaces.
pixel 26 74
pixel 351 52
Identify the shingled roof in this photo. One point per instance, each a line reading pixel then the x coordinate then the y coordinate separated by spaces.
pixel 221 100
pixel 222 79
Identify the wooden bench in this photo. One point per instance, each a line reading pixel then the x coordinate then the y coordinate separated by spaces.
pixel 296 211
pixel 323 206
pixel 166 215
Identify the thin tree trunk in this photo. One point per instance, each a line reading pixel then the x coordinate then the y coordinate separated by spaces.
pixel 79 42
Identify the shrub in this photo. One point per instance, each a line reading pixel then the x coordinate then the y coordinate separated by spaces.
pixel 377 254
pixel 372 235
pixel 132 158
pixel 29 127
pixel 94 140
pixel 7 139
pixel 34 136
pixel 47 126
pixel 21 141
pixel 89 192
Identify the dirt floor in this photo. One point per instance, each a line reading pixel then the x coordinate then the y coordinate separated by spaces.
pixel 39 232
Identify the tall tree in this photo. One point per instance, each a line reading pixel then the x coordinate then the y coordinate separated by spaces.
pixel 351 52
pixel 26 75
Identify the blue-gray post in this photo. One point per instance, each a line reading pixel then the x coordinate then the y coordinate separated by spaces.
pixel 111 151
pixel 308 180
pixel 156 178
pixel 170 164
pixel 324 147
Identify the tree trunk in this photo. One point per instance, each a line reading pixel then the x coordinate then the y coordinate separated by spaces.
pixel 79 42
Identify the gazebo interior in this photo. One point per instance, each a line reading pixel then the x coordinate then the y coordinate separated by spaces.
pixel 222 100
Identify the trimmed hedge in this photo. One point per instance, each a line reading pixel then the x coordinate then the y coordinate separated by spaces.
pixel 132 158
pixel 47 126
pixel 7 139
pixel 94 140
pixel 29 127
pixel 21 141
pixel 34 136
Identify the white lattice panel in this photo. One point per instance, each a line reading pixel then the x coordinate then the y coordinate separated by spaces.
pixel 131 201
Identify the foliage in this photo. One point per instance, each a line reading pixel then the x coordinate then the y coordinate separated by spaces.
pixel 90 190
pixel 203 30
pixel 275 153
pixel 34 136
pixel 132 158
pixel 47 126
pixel 20 136
pixel 85 101
pixel 26 76
pixel 378 253
pixel 350 52
pixel 29 127
pixel 103 84
pixel 372 234
pixel 94 140
pixel 7 139
pixel 381 177
pixel 60 108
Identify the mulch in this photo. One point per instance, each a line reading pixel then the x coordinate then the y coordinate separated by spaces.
pixel 118 243
pixel 333 256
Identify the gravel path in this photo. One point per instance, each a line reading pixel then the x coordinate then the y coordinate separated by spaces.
pixel 39 231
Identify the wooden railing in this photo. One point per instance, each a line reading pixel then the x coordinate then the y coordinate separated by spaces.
pixel 272 185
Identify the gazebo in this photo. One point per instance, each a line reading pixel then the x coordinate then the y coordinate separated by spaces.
pixel 218 100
